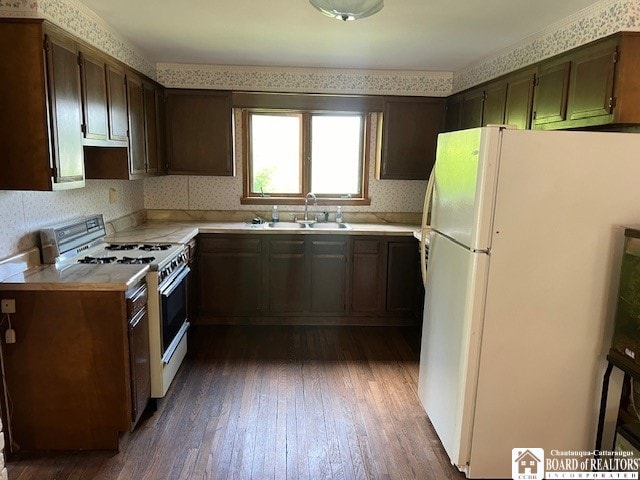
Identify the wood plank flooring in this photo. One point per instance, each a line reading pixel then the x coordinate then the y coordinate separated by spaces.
pixel 286 402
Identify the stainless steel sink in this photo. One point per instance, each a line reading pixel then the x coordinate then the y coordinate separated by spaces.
pixel 331 226
pixel 285 225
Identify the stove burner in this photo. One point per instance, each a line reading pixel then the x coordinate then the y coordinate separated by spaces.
pixel 122 246
pixel 136 260
pixel 97 260
pixel 155 247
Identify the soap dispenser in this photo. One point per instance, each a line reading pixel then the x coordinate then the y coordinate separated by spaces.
pixel 275 216
pixel 339 215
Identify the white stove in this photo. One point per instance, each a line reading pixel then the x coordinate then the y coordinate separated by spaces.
pixel 82 241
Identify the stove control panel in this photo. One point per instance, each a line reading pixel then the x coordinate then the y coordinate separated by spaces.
pixel 174 264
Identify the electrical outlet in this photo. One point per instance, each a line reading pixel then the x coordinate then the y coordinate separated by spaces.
pixel 8 305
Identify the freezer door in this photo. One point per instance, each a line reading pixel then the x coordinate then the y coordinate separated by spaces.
pixel 454 301
pixel 465 184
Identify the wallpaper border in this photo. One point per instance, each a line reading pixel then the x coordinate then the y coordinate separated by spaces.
pixel 305 80
pixel 596 21
pixel 76 18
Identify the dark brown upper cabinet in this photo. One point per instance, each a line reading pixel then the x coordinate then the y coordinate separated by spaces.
pixel 591 85
pixel 117 91
pixel 151 127
pixel 594 85
pixel 95 116
pixel 453 115
pixel 472 108
pixel 519 101
pixel 199 132
pixel 41 117
pixel 144 155
pixel 135 105
pixel 551 93
pixel 104 100
pixel 495 99
pixel 410 127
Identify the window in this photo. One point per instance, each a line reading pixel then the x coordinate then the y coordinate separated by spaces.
pixel 289 154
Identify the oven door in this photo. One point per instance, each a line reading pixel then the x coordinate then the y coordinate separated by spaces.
pixel 173 312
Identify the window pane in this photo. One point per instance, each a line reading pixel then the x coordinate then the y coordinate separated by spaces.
pixel 275 153
pixel 336 154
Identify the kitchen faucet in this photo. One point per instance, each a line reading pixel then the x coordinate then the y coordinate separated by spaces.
pixel 306 203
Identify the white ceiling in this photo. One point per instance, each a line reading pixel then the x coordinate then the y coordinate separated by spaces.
pixel 436 35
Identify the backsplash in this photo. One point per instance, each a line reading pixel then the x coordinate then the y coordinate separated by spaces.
pixel 224 193
pixel 22 214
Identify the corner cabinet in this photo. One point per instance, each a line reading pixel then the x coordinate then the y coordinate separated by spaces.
pixel 199 132
pixel 40 122
pixel 410 127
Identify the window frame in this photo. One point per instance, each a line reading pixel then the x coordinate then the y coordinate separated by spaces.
pixel 256 198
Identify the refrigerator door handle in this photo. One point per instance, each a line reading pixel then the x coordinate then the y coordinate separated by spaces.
pixel 426 226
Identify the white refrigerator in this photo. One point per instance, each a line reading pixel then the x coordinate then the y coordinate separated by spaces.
pixel 521 288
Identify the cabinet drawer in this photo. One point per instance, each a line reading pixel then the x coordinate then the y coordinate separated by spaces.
pixel 230 244
pixel 366 246
pixel 136 300
pixel 286 246
pixel 329 247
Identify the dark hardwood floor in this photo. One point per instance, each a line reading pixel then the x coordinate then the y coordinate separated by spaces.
pixel 285 402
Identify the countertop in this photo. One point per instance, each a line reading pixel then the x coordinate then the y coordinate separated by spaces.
pixel 182 232
pixel 114 277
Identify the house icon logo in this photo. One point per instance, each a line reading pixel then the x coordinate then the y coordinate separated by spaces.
pixel 527 463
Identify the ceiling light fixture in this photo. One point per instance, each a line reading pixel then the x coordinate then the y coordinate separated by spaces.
pixel 348 9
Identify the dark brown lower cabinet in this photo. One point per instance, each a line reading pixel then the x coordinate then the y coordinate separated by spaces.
pixel 283 278
pixel 287 279
pixel 403 282
pixel 87 368
pixel 366 275
pixel 231 275
pixel 328 274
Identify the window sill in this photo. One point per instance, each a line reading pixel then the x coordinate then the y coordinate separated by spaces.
pixel 363 202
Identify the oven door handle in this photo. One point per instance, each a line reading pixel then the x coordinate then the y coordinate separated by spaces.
pixel 168 290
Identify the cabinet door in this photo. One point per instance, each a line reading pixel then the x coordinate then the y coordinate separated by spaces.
pixel 135 103
pixel 402 277
pixel 328 274
pixel 453 115
pixel 410 128
pixel 287 277
pixel 24 141
pixel 139 359
pixel 366 276
pixel 472 109
pixel 231 275
pixel 94 97
pixel 151 127
pixel 494 103
pixel 117 89
pixel 162 131
pixel 63 74
pixel 199 126
pixel 591 86
pixel 551 91
pixel 519 101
